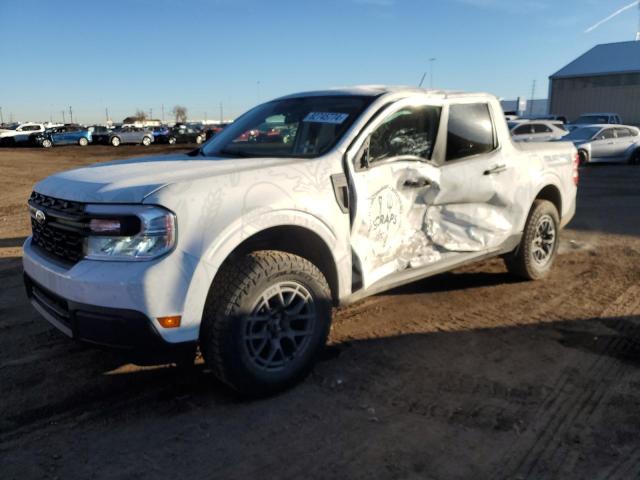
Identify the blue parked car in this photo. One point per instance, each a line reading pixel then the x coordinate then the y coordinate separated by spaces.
pixel 67 135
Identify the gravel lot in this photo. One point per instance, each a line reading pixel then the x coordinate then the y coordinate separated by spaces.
pixel 469 374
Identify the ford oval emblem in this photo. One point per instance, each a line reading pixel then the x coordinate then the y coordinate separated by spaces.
pixel 40 217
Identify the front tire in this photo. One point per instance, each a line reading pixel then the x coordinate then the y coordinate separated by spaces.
pixel 171 141
pixel 115 141
pixel 533 258
pixel 199 139
pixel 46 143
pixel 83 142
pixel 265 321
pixel 146 141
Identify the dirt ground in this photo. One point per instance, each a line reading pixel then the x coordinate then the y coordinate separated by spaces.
pixel 469 374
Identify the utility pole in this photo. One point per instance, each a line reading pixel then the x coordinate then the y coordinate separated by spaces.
pixel 150 113
pixel 205 117
pixel 162 107
pixel 431 61
pixel 533 94
pixel 70 113
pixel 63 119
pixel 1 116
pixel 221 117
pixel 106 112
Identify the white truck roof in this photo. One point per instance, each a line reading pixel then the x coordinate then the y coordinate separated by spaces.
pixel 377 90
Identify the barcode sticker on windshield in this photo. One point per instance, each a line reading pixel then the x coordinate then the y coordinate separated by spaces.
pixel 326 117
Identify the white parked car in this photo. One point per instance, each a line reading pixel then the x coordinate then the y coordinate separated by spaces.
pixel 244 246
pixel 20 132
pixel 537 131
pixel 606 143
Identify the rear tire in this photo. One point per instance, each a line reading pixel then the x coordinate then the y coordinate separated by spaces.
pixel 171 141
pixel 265 321
pixel 583 157
pixel 534 257
pixel 146 141
pixel 46 143
pixel 115 141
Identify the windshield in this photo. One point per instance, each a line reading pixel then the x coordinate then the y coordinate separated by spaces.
pixel 582 133
pixel 592 119
pixel 294 127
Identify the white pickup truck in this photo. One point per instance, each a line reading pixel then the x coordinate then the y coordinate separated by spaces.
pixel 309 201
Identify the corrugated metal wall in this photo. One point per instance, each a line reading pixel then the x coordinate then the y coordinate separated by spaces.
pixel 620 94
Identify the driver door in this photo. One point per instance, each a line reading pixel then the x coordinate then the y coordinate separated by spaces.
pixel 392 172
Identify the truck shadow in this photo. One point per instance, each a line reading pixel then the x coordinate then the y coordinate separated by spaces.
pixel 484 381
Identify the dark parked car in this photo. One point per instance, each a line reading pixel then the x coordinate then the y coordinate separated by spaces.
pixel 212 131
pixel 124 135
pixel 183 134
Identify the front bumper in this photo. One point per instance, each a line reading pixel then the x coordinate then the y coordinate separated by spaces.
pixel 107 327
pixel 135 292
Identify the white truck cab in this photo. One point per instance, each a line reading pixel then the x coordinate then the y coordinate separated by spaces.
pixel 305 202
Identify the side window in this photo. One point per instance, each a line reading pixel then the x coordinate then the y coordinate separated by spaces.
pixel 407 132
pixel 470 131
pixel 623 132
pixel 522 130
pixel 541 128
pixel 606 134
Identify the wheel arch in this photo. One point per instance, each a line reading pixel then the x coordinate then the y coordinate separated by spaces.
pixel 297 240
pixel 553 195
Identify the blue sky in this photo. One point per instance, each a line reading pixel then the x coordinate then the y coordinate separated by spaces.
pixel 144 53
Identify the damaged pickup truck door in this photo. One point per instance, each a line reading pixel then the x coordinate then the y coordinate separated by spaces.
pixel 431 185
pixel 480 201
pixel 390 175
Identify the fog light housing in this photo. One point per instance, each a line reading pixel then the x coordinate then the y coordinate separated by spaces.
pixel 170 322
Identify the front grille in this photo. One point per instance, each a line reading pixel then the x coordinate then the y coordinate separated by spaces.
pixel 61 233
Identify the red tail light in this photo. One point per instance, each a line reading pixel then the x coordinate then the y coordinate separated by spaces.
pixel 575 175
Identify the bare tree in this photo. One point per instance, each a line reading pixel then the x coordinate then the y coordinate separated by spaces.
pixel 180 113
pixel 140 115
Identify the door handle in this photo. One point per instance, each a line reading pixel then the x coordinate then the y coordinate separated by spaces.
pixel 416 182
pixel 495 169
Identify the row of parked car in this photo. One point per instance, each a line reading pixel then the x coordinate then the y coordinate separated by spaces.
pixel 37 134
pixel 599 137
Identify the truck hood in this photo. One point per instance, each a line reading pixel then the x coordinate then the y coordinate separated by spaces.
pixel 130 181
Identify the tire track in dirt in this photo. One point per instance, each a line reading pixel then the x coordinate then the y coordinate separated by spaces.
pixel 549 450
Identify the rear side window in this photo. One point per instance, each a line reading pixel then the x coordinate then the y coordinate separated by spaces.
pixel 541 128
pixel 522 130
pixel 470 131
pixel 623 132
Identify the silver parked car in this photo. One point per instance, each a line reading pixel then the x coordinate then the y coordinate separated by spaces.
pixel 124 135
pixel 536 131
pixel 606 143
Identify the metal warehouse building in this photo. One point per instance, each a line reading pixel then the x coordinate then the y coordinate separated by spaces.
pixel 605 79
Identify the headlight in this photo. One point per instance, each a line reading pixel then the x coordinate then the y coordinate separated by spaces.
pixel 129 232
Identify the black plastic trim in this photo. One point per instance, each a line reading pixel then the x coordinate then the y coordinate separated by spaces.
pixel 113 328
